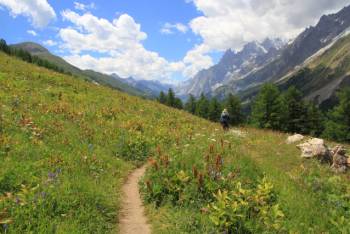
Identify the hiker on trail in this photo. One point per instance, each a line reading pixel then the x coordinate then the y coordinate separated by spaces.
pixel 225 119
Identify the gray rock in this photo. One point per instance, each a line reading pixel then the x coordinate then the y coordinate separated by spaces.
pixel 314 148
pixel 340 160
pixel 295 138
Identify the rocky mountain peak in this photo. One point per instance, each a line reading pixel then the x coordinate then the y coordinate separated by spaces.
pixel 276 43
pixel 232 65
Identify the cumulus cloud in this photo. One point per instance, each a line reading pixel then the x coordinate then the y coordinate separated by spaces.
pixel 39 12
pixel 169 28
pixel 100 35
pixel 119 45
pixel 116 46
pixel 84 7
pixel 49 43
pixel 232 23
pixel 32 32
pixel 196 60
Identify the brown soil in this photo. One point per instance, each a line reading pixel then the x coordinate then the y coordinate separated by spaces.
pixel 132 218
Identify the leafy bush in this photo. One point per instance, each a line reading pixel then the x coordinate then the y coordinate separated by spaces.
pixel 205 188
pixel 133 147
pixel 170 182
pixel 247 210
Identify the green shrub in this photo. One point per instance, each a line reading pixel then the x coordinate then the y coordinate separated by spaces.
pixel 247 210
pixel 133 147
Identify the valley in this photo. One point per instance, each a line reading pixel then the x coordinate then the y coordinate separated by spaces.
pixel 64 160
pixel 200 117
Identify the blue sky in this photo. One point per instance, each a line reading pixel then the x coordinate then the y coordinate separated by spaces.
pixel 166 40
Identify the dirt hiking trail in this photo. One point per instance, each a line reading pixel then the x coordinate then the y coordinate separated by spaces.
pixel 132 217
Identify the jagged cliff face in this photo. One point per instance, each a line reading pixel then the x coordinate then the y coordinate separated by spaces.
pixel 232 66
pixel 304 46
pixel 268 61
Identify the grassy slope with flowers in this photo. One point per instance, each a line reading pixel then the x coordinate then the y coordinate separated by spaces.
pixel 267 180
pixel 66 145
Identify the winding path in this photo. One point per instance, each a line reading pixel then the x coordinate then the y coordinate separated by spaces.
pixel 132 218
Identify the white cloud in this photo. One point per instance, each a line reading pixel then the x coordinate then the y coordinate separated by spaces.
pixel 232 23
pixel 32 32
pixel 100 35
pixel 39 12
pixel 119 45
pixel 196 60
pixel 116 46
pixel 169 28
pixel 49 43
pixel 84 7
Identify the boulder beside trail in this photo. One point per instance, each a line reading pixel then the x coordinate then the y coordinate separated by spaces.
pixel 295 138
pixel 314 148
pixel 340 160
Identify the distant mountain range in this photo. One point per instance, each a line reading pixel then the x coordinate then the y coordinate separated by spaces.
pixel 232 67
pixel 244 72
pixel 150 87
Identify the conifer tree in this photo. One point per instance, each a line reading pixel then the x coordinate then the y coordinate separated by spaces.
pixel 202 108
pixel 4 47
pixel 315 120
pixel 267 108
pixel 178 103
pixel 338 126
pixel 214 110
pixel 233 106
pixel 294 114
pixel 171 98
pixel 162 98
pixel 191 104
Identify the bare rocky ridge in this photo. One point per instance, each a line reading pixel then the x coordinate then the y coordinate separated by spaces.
pixel 232 66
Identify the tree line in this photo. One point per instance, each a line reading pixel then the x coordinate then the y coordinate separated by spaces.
pixel 207 108
pixel 285 111
pixel 27 57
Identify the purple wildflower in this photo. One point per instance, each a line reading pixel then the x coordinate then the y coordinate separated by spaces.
pixel 52 175
pixel 5 226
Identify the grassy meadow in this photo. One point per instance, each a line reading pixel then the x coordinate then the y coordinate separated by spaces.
pixel 66 146
pixel 288 194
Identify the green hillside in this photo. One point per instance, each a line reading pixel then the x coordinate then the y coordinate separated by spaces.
pixel 43 53
pixel 66 146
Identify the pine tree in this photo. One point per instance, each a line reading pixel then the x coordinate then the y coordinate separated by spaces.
pixel 162 98
pixel 178 103
pixel 4 47
pixel 338 126
pixel 315 120
pixel 214 110
pixel 191 104
pixel 267 108
pixel 202 107
pixel 294 111
pixel 171 98
pixel 233 106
